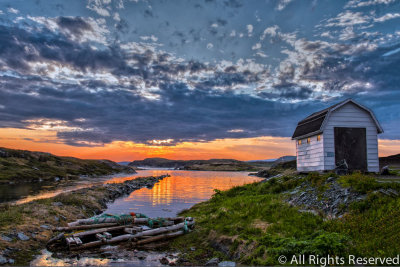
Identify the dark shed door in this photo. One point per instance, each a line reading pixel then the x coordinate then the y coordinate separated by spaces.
pixel 351 145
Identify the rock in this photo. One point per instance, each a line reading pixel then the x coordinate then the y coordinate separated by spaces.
pixel 57 204
pixel 11 261
pixel 227 264
pixel 141 255
pixel 3 260
pixel 330 179
pixel 393 192
pixel 44 226
pixel 63 217
pixel 56 219
pixel 385 170
pixel 164 261
pixel 212 262
pixel 5 238
pixel 22 236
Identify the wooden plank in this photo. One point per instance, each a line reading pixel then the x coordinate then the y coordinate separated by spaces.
pixel 129 237
pixel 85 227
pixel 100 237
pixel 107 235
pixel 158 238
pixel 101 230
pixel 78 241
pixel 133 230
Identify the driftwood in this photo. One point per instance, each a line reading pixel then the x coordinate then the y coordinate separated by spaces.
pixel 111 220
pixel 159 237
pixel 85 227
pixel 107 235
pixel 73 241
pixel 94 221
pixel 55 239
pixel 96 231
pixel 133 230
pixel 131 237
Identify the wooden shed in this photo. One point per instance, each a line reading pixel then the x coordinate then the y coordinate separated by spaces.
pixel 345 131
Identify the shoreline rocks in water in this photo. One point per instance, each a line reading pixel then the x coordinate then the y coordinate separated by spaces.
pixel 117 190
pixel 33 219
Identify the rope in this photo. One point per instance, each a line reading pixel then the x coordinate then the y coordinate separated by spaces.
pixel 150 222
pixel 122 219
pixel 185 227
pixel 140 215
pixel 159 221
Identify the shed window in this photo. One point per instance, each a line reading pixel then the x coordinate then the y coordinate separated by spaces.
pixel 318 137
pixel 299 142
pixel 308 140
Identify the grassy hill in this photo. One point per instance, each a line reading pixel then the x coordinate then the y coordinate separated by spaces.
pixel 198 165
pixel 25 166
pixel 315 214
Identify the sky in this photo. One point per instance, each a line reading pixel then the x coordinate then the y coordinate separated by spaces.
pixel 130 79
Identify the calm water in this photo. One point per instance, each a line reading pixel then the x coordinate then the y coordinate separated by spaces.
pixel 169 196
pixel 180 191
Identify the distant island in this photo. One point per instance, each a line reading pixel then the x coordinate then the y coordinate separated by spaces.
pixel 209 165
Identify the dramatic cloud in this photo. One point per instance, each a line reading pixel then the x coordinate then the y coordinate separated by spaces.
pixel 130 71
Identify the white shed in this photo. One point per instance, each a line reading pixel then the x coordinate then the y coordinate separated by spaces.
pixel 345 131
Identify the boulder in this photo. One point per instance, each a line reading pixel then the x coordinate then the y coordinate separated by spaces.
pixel 22 236
pixel 3 260
pixel 212 262
pixel 5 238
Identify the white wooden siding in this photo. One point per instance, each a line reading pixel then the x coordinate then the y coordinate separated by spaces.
pixel 310 157
pixel 350 115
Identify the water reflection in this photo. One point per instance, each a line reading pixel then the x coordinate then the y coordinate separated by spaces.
pixel 183 188
pixel 180 191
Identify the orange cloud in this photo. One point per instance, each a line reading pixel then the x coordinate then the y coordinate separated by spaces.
pixel 264 147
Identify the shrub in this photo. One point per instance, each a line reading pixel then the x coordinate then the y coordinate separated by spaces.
pixel 359 182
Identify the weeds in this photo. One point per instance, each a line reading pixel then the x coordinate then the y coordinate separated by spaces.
pixel 261 226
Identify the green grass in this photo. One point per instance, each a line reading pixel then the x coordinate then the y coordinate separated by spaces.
pixel 10 215
pixel 364 183
pixel 27 166
pixel 373 226
pixel 255 225
pixel 261 225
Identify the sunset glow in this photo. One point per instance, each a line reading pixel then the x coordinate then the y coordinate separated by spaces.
pixel 128 80
pixel 264 147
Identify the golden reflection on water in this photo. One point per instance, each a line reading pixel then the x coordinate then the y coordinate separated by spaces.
pixel 179 191
pixel 46 259
pixel 186 185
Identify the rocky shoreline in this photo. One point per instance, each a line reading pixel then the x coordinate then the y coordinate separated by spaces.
pixel 25 228
pixel 117 190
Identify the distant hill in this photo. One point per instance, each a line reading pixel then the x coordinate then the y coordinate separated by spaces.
pixel 284 159
pixel 124 163
pixel 206 165
pixel 26 166
pixel 393 161
pixel 261 160
pixel 266 163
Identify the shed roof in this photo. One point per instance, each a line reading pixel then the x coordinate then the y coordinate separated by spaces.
pixel 314 123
